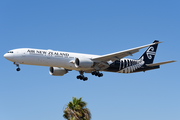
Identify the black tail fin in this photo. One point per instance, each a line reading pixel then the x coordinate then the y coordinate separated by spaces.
pixel 149 54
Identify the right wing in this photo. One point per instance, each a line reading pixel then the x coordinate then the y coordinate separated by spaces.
pixel 121 54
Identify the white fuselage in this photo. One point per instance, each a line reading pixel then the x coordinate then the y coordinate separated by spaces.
pixel 50 58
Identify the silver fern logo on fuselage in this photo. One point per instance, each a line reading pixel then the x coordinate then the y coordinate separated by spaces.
pixel 131 65
pixel 150 52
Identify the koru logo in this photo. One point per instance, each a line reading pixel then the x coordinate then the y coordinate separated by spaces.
pixel 150 52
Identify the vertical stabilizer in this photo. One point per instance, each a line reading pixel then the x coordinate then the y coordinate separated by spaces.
pixel 149 54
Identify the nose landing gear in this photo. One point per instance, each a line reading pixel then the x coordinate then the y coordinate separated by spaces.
pixel 18 69
pixel 17 64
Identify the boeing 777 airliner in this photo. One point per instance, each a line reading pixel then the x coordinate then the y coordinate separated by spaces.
pixel 62 62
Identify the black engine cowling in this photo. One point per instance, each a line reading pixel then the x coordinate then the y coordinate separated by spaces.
pixel 83 63
pixel 57 71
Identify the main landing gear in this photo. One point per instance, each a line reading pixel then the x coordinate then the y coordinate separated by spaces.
pixel 18 69
pixel 81 76
pixel 97 73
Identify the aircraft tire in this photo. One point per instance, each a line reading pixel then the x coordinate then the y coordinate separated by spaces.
pixel 85 79
pixel 18 69
pixel 81 77
pixel 97 73
pixel 100 75
pixel 93 73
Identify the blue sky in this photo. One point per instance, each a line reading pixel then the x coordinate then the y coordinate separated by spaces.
pixel 95 27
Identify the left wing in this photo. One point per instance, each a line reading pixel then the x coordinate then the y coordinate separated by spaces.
pixel 121 54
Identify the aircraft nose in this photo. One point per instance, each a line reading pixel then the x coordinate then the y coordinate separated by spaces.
pixel 5 55
pixel 8 56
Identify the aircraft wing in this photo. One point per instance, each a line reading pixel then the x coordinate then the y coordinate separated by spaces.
pixel 121 54
pixel 160 63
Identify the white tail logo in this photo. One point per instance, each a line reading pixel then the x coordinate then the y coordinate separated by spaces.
pixel 150 52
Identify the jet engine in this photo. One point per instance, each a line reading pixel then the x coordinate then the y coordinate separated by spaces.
pixel 57 71
pixel 83 63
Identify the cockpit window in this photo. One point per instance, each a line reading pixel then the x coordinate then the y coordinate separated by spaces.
pixel 10 52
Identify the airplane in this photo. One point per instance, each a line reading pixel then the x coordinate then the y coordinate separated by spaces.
pixel 61 62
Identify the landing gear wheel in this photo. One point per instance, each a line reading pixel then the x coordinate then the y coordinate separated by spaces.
pixel 81 76
pixel 85 78
pixel 78 77
pixel 97 73
pixel 100 75
pixel 17 65
pixel 18 69
pixel 93 73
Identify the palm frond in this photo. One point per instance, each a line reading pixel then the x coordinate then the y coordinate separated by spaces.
pixel 76 110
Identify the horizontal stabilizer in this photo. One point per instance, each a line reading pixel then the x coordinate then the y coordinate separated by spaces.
pixel 160 63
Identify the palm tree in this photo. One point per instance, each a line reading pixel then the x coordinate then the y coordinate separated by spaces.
pixel 76 110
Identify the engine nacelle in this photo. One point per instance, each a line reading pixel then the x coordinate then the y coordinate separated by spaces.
pixel 83 63
pixel 57 71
